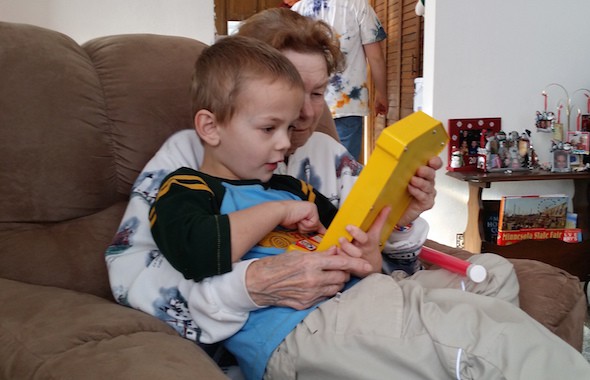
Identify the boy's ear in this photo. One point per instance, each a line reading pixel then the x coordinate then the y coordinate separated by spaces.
pixel 206 127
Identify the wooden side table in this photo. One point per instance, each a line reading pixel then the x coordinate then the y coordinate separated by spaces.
pixel 573 257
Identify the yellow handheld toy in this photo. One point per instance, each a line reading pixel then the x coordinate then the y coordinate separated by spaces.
pixel 400 150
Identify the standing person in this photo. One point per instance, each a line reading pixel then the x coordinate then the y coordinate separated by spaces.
pixel 360 33
pixel 246 96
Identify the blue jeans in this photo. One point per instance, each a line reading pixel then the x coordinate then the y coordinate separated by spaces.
pixel 350 132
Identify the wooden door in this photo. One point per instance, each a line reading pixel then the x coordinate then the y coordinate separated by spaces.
pixel 403 54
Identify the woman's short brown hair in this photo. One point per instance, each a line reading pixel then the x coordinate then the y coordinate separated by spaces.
pixel 285 29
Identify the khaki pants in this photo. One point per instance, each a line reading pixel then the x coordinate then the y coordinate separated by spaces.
pixel 410 328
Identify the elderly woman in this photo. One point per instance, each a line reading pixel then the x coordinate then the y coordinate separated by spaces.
pixel 211 310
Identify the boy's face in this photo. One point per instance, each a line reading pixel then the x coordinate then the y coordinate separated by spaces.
pixel 314 72
pixel 258 136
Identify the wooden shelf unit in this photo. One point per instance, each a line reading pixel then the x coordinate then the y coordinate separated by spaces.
pixel 572 257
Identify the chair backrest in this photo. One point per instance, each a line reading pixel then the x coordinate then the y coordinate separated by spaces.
pixel 77 124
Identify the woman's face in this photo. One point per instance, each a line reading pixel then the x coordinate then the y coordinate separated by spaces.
pixel 314 72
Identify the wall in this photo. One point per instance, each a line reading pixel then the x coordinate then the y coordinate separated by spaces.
pixel 488 58
pixel 85 19
pixel 481 58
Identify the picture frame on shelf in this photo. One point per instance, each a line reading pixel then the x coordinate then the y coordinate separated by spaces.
pixel 580 142
pixel 561 161
pixel 468 135
pixel 575 160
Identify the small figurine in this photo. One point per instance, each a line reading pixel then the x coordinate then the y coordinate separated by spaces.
pixel 513 136
pixel 533 158
pixel 482 159
pixel 524 145
pixel 544 121
pixel 496 161
pixel 503 151
pixel 513 158
pixel 456 158
pixel 492 143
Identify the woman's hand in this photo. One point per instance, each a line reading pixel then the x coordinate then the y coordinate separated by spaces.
pixel 421 188
pixel 301 279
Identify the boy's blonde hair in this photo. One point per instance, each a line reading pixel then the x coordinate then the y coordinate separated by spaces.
pixel 285 29
pixel 223 69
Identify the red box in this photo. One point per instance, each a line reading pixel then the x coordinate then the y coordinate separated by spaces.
pixel 473 132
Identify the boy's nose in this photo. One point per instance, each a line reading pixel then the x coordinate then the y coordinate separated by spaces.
pixel 283 141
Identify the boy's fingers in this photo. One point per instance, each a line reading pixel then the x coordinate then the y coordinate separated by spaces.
pixel 380 220
pixel 357 234
pixel 347 248
pixel 332 262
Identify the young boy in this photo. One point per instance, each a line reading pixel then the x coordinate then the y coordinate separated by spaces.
pixel 246 97
pixel 243 115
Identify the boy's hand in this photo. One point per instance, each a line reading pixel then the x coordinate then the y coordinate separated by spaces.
pixel 366 245
pixel 250 225
pixel 302 216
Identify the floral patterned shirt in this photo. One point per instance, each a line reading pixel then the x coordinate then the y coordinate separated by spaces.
pixel 356 24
